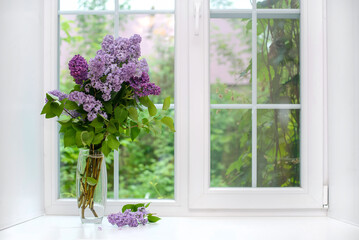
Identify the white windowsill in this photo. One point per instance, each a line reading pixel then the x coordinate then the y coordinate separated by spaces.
pixel 187 228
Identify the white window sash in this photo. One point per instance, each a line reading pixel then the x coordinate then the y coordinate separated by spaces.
pixel 310 194
pixel 177 206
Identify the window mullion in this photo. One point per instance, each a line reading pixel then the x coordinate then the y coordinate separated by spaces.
pixel 254 94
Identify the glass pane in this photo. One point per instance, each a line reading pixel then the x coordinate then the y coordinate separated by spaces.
pixel 148 4
pixel 280 4
pixel 81 34
pixel 230 55
pixel 73 5
pixel 278 61
pixel 278 153
pixel 147 166
pixel 230 4
pixel 231 148
pixel 157 47
pixel 68 162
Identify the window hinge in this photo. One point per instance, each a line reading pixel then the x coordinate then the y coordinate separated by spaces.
pixel 325 196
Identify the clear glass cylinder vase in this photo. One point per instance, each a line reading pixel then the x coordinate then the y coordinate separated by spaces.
pixel 91 186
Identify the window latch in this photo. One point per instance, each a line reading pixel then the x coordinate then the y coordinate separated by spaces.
pixel 197 15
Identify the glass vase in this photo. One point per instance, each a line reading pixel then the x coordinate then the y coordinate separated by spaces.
pixel 91 186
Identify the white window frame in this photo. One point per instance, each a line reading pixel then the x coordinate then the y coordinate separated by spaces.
pixel 310 194
pixel 192 198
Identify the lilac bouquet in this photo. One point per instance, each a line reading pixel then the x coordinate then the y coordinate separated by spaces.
pixel 109 101
pixel 110 92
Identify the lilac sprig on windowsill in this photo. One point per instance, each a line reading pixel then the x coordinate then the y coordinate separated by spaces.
pixel 132 215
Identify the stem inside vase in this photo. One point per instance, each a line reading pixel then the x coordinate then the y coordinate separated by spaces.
pixel 88 183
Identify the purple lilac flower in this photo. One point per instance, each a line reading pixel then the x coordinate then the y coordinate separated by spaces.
pixel 143 87
pixel 132 219
pixel 89 104
pixel 78 69
pixel 58 94
pixel 116 63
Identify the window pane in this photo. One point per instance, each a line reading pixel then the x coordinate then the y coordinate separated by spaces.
pixel 230 55
pixel 278 4
pixel 230 4
pixel 157 47
pixel 71 5
pixel 278 153
pixel 81 34
pixel 148 4
pixel 147 166
pixel 231 148
pixel 278 61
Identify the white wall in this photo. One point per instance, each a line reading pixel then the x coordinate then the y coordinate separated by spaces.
pixel 21 97
pixel 343 109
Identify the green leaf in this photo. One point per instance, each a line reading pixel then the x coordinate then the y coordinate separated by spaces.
pixel 108 107
pixel 78 139
pixel 133 114
pixel 166 103
pixel 148 204
pixel 98 138
pixel 65 123
pixel 51 97
pixel 64 128
pixel 78 127
pixel 112 127
pixel 152 109
pixel 152 218
pixel 105 149
pixel 136 206
pixel 96 123
pixel 145 101
pixel 168 122
pixel 77 88
pixel 50 115
pixel 121 114
pixel 70 105
pixel 91 181
pixel 113 142
pixel 70 137
pixel 46 109
pixel 135 131
pixel 87 137
pixel 145 121
pixel 56 108
pixel 127 206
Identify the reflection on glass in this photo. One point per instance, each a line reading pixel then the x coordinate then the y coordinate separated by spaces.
pixel 279 4
pixel 278 152
pixel 71 5
pixel 230 4
pixel 157 46
pixel 148 4
pixel 147 166
pixel 278 61
pixel 230 55
pixel 231 148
